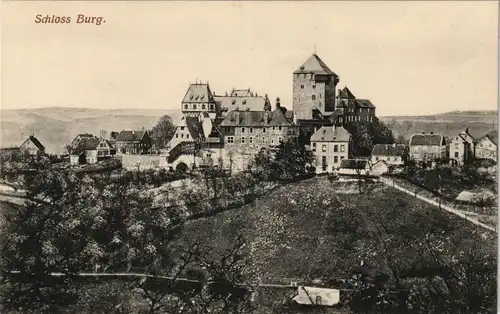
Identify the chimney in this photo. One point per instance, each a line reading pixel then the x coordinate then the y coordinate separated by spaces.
pixel 278 103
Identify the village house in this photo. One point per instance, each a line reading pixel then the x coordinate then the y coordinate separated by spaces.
pixel 133 142
pixel 462 148
pixel 392 154
pixel 487 146
pixel 427 147
pixel 317 296
pixel 354 167
pixel 329 146
pixel 32 147
pixel 90 150
pixel 78 137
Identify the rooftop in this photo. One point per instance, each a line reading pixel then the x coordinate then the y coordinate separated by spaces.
pixel 331 134
pixel 314 65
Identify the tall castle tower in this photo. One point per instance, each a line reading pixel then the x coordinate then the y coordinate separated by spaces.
pixel 314 86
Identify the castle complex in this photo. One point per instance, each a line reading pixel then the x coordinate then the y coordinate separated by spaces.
pixel 232 128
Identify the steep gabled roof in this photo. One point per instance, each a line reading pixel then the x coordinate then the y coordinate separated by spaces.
pixel 388 150
pixel 198 93
pixel 364 103
pixel 86 143
pixel 426 140
pixel 36 142
pixel 314 65
pixel 345 93
pixel 492 135
pixel 331 134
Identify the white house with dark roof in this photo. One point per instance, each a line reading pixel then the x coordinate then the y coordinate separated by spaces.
pixel 392 154
pixel 427 147
pixel 487 146
pixel 329 146
pixel 32 147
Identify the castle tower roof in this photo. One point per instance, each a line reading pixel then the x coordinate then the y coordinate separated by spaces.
pixel 314 65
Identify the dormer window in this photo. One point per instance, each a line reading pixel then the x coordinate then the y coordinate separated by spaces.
pixel 313 97
pixel 197 97
pixel 192 96
pixel 234 101
pixel 244 101
pixel 202 96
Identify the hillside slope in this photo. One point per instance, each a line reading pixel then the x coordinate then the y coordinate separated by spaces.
pixel 56 127
pixel 447 124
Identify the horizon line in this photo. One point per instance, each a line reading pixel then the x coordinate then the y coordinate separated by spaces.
pixel 155 109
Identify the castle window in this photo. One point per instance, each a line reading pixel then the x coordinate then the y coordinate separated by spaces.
pixel 242 140
pixel 251 130
pixel 203 106
pixel 263 139
pixel 194 106
pixel 242 130
pixel 176 135
pixel 342 148
pixel 335 159
pixel 274 128
pixel 314 86
pixel 280 140
pixel 313 97
pixel 302 86
pixel 279 128
pixel 212 107
pixel 182 128
pixel 323 148
pixel 182 135
pixel 185 106
pixel 187 135
pixel 335 148
pixel 263 130
pixel 250 140
pixel 230 139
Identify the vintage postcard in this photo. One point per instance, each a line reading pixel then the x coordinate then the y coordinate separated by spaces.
pixel 249 157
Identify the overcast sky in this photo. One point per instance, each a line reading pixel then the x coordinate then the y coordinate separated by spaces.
pixel 408 58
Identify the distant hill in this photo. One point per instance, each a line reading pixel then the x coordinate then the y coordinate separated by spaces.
pixel 55 127
pixel 447 124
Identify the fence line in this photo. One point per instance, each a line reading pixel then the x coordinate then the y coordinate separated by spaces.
pixel 438 204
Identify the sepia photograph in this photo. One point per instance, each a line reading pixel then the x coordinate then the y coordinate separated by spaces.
pixel 249 157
